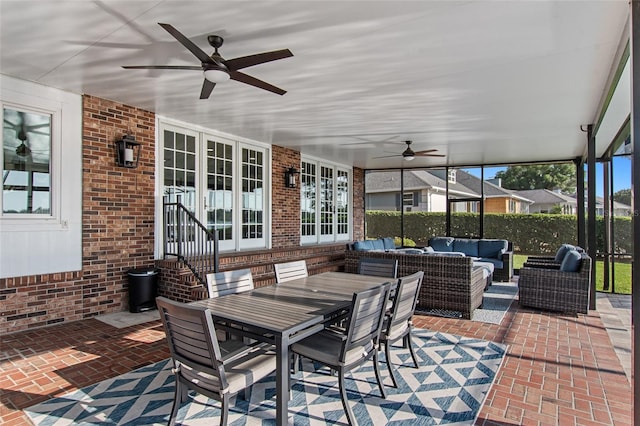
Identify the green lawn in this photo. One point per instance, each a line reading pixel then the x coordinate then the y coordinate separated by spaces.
pixel 622 273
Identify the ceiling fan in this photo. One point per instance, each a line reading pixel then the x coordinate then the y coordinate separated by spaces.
pixel 217 69
pixel 410 154
pixel 21 129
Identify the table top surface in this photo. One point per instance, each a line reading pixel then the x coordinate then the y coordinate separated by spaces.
pixel 292 305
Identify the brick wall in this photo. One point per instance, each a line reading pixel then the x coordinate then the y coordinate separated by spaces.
pixel 117 234
pixel 285 201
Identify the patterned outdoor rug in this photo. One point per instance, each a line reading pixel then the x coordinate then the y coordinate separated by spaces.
pixel 496 302
pixel 449 388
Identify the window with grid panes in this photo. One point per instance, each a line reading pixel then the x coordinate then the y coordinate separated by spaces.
pixel 219 204
pixel 342 203
pixel 180 168
pixel 325 202
pixel 252 194
pixel 308 201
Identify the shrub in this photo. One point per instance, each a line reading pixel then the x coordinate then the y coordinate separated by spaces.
pixel 529 233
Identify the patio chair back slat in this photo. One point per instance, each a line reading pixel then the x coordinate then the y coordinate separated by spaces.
pixel 290 270
pixel 229 282
pixel 378 267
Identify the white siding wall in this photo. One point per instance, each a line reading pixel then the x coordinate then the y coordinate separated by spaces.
pixel 32 246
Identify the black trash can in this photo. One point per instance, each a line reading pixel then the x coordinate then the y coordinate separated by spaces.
pixel 143 288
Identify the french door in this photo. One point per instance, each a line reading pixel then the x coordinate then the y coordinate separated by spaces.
pixel 221 181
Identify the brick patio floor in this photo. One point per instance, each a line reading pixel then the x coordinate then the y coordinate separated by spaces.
pixel 559 370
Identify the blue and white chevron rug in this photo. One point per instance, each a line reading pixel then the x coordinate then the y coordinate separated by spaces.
pixel 449 388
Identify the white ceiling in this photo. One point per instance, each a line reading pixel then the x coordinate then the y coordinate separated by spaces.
pixel 482 81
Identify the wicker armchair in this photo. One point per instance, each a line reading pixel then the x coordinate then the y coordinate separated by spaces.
pixel 556 290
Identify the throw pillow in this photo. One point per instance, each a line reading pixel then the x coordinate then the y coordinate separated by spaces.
pixel 363 245
pixel 571 261
pixel 389 244
pixel 562 251
pixel 377 244
pixel 441 243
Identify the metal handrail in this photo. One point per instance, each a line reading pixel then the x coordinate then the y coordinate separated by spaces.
pixel 189 240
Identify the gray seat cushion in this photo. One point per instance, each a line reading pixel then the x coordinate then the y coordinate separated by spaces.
pixel 325 347
pixel 241 372
pixel 497 264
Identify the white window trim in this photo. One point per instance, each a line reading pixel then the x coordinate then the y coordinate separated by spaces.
pixel 335 237
pixel 42 244
pixel 238 244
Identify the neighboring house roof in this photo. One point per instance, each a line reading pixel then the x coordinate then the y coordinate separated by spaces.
pixel 616 205
pixel 438 180
pixel 388 181
pixel 466 184
pixel 545 196
pixel 491 190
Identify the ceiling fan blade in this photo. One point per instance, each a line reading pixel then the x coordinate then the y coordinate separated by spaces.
pixel 252 81
pixel 259 58
pixel 199 53
pixel 425 151
pixel 207 88
pixel 162 67
pixel 387 156
pixel 423 154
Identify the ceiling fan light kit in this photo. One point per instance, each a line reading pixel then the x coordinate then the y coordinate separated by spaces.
pixel 216 75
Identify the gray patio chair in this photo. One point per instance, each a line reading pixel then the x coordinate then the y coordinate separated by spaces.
pixel 290 270
pixel 229 282
pixel 345 351
pixel 397 325
pixel 378 267
pixel 201 363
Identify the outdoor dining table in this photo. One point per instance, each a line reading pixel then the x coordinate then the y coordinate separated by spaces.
pixel 288 312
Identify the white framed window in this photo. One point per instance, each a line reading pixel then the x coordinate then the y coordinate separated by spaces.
pixel 325 202
pixel 40 196
pixel 223 180
pixel 451 175
pixel 26 165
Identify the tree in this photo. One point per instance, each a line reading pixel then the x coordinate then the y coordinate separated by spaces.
pixel 540 176
pixel 623 196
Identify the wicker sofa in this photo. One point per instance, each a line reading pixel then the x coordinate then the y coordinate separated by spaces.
pixel 495 251
pixel 450 283
pixel 554 289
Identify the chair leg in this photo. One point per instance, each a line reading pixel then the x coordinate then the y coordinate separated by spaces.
pixel 387 352
pixel 351 419
pixel 224 410
pixel 295 363
pixel 180 390
pixel 245 393
pixel 376 367
pixel 410 344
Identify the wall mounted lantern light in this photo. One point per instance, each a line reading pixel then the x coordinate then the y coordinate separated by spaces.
pixel 290 177
pixel 128 151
